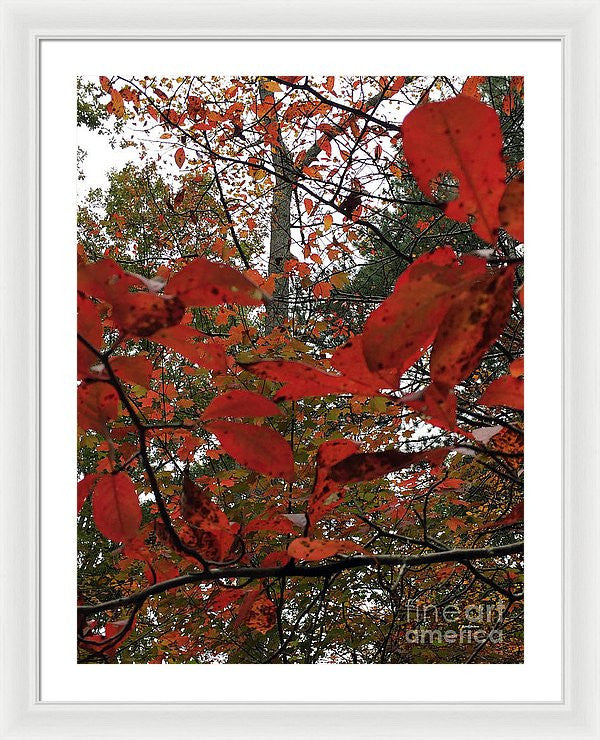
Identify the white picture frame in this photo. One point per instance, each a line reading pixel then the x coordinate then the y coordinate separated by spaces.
pixel 24 25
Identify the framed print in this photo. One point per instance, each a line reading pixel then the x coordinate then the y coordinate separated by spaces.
pixel 309 499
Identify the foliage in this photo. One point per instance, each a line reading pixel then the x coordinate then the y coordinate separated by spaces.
pixel 300 372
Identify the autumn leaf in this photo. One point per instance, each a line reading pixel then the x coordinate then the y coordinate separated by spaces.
pixel 471 87
pixel 205 283
pixel 473 322
pixel 118 108
pixel 271 522
pixel 257 611
pixel 463 137
pixel 437 403
pixel 84 487
pixel 116 507
pixel 512 209
pixel 97 405
pixel 240 404
pixel 370 465
pixel 141 314
pixel 192 344
pixel 180 157
pixel 105 280
pixel 397 333
pixel 204 516
pixel 504 391
pixel 89 326
pixel 256 447
pixel 326 493
pixel 303 548
pixel 303 381
pixel 135 370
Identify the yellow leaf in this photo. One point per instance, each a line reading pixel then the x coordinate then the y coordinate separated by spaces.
pixel 271 86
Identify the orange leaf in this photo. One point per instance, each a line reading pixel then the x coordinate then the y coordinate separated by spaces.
pixel 308 205
pixel 463 137
pixel 180 157
pixel 322 289
pixel 259 448
pixel 116 507
pixel 304 548
pixel 118 107
pixel 471 87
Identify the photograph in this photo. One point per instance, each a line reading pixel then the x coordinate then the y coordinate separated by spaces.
pixel 300 369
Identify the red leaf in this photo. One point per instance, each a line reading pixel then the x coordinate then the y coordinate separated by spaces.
pixel 349 359
pixel 240 404
pixel 178 200
pixel 474 321
pixel 461 136
pixel 97 404
pixel 325 494
pixel 397 333
pixel 105 280
pixel 205 283
pixel 116 507
pixel 304 548
pixel 141 314
pixel 133 370
pixel 325 146
pixel 270 522
pixel 180 157
pixel 209 353
pixel 259 448
pixel 512 209
pixel 308 205
pixel 257 611
pixel 84 487
pixel 505 391
pixel 438 405
pixel 371 465
pixel 89 325
pixel 205 517
pixel 304 381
